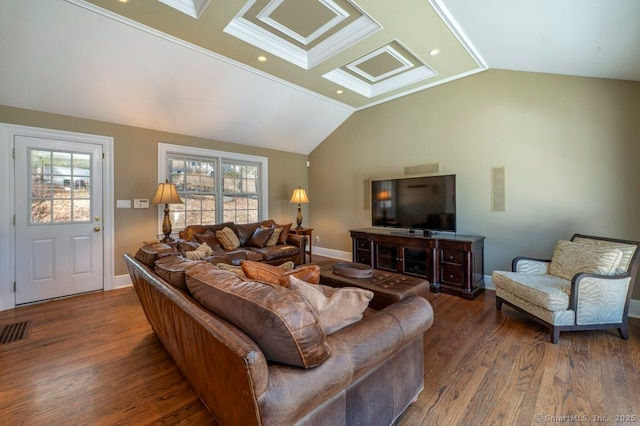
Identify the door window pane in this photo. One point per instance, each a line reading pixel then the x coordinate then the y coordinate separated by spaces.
pixel 60 187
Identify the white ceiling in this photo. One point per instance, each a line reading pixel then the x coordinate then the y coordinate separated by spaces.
pixel 590 38
pixel 70 57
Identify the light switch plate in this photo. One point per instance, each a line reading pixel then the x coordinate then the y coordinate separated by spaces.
pixel 123 204
pixel 141 203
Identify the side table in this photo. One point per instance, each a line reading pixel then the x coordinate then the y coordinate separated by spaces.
pixel 304 231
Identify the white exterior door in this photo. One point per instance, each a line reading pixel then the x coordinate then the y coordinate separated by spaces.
pixel 58 218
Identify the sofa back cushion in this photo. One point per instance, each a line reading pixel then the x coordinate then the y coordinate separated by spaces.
pixel 570 258
pixel 279 320
pixel 208 237
pixel 149 253
pixel 172 270
pixel 189 232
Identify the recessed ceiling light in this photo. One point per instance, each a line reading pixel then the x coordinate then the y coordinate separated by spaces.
pixel 262 58
pixel 123 1
pixel 434 52
pixel 339 92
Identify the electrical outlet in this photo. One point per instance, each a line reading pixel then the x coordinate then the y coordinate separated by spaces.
pixel 317 239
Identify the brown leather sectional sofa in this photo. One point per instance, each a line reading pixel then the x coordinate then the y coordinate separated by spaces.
pixel 364 374
pixel 289 247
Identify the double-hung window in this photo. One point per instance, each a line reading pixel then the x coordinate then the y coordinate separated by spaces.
pixel 215 186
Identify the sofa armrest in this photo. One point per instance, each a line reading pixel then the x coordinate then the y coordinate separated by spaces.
pixel 377 336
pixel 530 265
pixel 223 365
pixel 301 242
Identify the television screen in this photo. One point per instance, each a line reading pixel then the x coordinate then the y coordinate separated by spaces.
pixel 425 203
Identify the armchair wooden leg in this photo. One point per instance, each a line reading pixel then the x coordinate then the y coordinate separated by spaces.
pixel 498 303
pixel 624 332
pixel 555 334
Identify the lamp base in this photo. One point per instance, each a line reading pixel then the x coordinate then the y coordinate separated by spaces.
pixel 166 226
pixel 299 217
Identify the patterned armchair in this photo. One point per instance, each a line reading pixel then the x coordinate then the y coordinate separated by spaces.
pixel 586 285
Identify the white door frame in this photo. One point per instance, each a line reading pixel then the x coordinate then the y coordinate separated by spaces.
pixel 7 205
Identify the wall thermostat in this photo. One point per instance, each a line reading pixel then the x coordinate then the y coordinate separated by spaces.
pixel 141 203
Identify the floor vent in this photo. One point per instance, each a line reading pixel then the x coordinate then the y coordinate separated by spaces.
pixel 14 332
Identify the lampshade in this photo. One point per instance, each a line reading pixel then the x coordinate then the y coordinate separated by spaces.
pixel 299 196
pixel 166 194
pixel 384 196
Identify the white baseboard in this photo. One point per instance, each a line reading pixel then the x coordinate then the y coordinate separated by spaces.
pixel 334 254
pixel 488 283
pixel 634 308
pixel 122 281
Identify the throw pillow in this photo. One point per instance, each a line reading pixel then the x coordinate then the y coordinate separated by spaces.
pixel 208 237
pixel 284 235
pixel 264 272
pixel 336 307
pixel 260 237
pixel 228 239
pixel 200 253
pixel 280 321
pixel 185 246
pixel 286 266
pixel 232 268
pixel 275 236
pixel 570 258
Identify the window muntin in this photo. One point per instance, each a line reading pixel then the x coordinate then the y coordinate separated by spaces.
pixel 241 197
pixel 209 195
pixel 195 181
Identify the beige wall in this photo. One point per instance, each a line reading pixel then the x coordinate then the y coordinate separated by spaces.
pixel 570 147
pixel 136 171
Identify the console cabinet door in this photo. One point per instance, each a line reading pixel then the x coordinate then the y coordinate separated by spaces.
pixel 416 261
pixel 387 257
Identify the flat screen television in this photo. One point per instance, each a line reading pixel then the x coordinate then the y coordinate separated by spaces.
pixel 426 203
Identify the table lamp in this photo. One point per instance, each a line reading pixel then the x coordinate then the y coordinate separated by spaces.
pixel 166 194
pixel 299 197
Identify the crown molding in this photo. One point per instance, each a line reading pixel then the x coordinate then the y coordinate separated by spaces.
pixel 193 8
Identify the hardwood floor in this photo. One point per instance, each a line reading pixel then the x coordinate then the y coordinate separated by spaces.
pixel 93 359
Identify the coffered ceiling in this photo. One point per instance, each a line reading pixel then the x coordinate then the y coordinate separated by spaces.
pixel 356 52
pixel 284 74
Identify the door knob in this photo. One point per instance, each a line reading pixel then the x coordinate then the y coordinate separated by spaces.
pixel 96 229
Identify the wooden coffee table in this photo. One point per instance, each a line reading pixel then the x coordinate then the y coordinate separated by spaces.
pixel 387 287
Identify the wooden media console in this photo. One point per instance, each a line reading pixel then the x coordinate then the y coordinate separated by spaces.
pixel 452 263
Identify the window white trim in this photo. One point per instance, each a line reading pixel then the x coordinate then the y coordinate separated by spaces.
pixel 165 149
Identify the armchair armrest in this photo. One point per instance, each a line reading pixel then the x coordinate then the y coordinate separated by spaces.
pixel 530 265
pixel 301 242
pixel 598 299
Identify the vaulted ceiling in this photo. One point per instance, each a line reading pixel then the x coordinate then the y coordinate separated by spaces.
pixel 284 74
